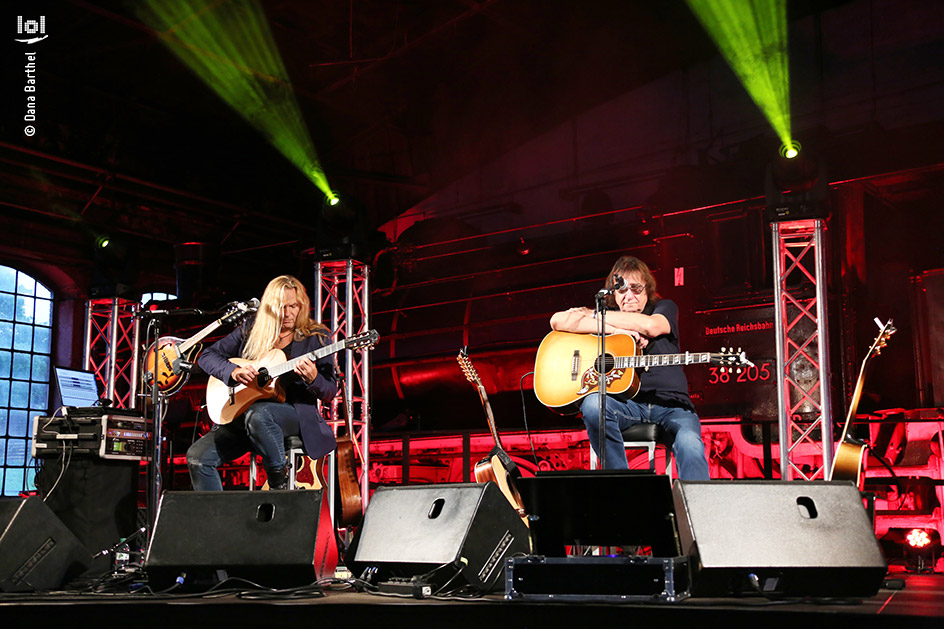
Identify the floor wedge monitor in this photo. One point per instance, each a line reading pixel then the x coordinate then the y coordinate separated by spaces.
pixel 37 551
pixel 438 538
pixel 779 538
pixel 201 538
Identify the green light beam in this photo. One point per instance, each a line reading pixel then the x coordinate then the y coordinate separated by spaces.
pixel 752 37
pixel 228 44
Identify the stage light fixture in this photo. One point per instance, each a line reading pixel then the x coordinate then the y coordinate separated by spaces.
pixel 918 538
pixel 796 185
pixel 791 150
pixel 102 242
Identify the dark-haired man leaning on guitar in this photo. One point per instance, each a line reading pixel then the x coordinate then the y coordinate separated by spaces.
pixel 662 397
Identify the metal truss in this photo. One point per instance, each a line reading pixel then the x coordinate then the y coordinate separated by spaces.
pixel 801 319
pixel 111 348
pixel 341 303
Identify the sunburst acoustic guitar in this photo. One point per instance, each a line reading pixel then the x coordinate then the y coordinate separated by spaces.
pixel 165 359
pixel 568 366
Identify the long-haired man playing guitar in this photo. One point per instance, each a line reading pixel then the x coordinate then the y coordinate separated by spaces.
pixel 283 323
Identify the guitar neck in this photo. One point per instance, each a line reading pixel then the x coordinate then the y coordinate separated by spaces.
pixel 661 360
pixel 199 336
pixel 488 414
pixel 321 352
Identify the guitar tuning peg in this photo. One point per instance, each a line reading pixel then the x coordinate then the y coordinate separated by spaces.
pixel 723 350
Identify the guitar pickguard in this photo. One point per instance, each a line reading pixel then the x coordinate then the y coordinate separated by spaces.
pixel 591 381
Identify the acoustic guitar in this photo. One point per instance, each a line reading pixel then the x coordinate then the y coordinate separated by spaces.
pixel 167 357
pixel 349 489
pixel 309 473
pixel 225 403
pixel 568 366
pixel 497 466
pixel 849 459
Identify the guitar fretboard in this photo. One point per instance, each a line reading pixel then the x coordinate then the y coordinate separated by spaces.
pixel 662 360
pixel 289 365
pixel 199 336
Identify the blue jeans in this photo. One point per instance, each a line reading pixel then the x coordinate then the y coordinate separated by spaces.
pixel 261 429
pixel 681 424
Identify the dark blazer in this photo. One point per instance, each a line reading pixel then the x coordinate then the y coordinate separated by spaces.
pixel 317 436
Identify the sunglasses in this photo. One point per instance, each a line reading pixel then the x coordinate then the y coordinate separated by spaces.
pixel 636 288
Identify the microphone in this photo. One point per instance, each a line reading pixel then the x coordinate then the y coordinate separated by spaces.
pixel 618 284
pixel 253 304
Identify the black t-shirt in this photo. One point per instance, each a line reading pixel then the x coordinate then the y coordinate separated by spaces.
pixel 666 385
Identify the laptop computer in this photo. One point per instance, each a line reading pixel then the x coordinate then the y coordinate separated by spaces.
pixel 77 387
pixel 80 391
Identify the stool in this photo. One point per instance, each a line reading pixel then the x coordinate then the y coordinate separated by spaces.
pixel 648 436
pixel 293 449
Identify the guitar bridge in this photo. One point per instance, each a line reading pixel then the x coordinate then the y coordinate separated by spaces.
pixel 575 366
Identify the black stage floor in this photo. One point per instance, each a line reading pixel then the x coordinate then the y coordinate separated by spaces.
pixel 908 600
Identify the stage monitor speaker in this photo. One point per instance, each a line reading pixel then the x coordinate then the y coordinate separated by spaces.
pixel 37 551
pixel 778 538
pixel 445 536
pixel 96 499
pixel 203 537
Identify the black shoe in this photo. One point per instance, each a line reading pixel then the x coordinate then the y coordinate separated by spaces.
pixel 278 478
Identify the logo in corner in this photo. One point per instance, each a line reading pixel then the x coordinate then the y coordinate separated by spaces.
pixel 31 27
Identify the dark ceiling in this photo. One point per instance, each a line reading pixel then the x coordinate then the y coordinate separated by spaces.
pixel 400 97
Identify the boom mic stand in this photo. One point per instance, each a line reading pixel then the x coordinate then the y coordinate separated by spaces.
pixel 155 481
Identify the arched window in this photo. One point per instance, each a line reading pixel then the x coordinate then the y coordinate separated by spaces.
pixel 147 297
pixel 25 348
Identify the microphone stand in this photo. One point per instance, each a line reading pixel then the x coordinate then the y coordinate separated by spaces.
pixel 155 480
pixel 150 378
pixel 601 374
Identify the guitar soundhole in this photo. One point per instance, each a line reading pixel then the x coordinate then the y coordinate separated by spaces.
pixel 265 512
pixel 606 362
pixel 807 507
pixel 436 508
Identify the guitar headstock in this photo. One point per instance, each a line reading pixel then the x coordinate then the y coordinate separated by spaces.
pixel 885 333
pixel 467 367
pixel 238 310
pixel 360 341
pixel 730 358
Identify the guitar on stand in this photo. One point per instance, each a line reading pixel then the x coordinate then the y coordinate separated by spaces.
pixel 348 487
pixel 497 466
pixel 849 459
pixel 168 360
